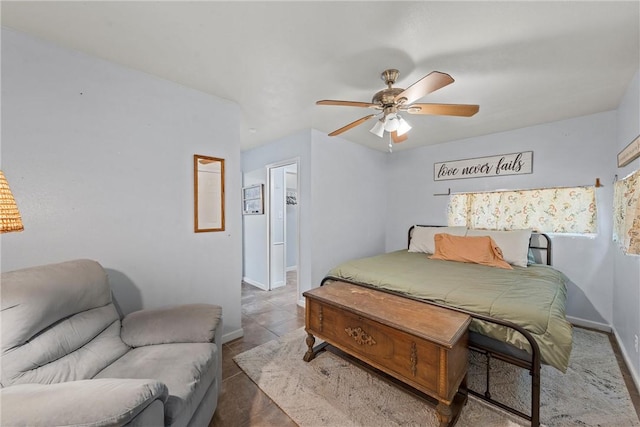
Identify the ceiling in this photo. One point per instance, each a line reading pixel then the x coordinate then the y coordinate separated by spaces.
pixel 524 63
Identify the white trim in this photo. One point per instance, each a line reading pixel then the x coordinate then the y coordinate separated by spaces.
pixel 589 324
pixel 255 283
pixel 292 268
pixel 277 285
pixel 282 163
pixel 233 335
pixel 627 360
pixel 302 302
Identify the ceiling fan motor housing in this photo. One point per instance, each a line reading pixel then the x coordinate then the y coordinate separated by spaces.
pixel 386 96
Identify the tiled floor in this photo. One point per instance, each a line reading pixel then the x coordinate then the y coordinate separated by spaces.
pixel 266 316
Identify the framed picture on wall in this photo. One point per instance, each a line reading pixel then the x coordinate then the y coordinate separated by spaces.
pixel 208 182
pixel 253 200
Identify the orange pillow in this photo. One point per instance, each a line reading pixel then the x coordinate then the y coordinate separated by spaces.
pixel 478 250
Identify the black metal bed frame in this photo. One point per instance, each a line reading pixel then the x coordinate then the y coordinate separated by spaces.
pixel 493 348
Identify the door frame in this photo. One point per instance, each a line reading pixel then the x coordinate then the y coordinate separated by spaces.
pixel 269 167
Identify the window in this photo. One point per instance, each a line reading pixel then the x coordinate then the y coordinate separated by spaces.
pixel 546 210
pixel 626 213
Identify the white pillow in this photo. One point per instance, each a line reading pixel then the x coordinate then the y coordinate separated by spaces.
pixel 514 244
pixel 422 237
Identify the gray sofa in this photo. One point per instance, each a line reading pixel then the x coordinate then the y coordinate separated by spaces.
pixel 68 359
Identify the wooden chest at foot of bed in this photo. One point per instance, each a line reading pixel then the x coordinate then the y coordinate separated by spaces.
pixel 419 344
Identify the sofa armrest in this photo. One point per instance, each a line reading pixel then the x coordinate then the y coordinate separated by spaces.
pixel 99 402
pixel 182 323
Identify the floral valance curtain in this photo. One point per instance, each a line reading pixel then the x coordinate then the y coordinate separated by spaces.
pixel 626 213
pixel 547 210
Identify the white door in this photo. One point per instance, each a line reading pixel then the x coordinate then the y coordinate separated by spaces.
pixel 277 227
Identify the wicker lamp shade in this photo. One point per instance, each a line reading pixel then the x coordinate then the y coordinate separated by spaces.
pixel 9 216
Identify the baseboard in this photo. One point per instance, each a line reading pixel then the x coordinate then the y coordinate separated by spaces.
pixel 589 324
pixel 627 360
pixel 292 268
pixel 302 302
pixel 255 283
pixel 278 284
pixel 233 335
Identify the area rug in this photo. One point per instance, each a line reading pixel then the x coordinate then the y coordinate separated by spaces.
pixel 330 391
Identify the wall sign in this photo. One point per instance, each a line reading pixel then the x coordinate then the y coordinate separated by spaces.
pixel 501 165
pixel 629 153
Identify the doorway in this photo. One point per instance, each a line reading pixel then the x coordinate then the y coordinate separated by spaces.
pixel 283 229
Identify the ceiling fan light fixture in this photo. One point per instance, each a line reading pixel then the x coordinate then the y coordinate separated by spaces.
pixel 391 122
pixel 403 126
pixel 378 128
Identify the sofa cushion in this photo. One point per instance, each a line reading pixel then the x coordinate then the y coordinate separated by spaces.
pixel 76 348
pixel 187 369
pixel 58 323
pixel 37 297
pixel 105 402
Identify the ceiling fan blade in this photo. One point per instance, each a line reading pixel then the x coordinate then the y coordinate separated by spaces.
pixel 397 139
pixel 347 103
pixel 430 83
pixel 351 125
pixel 462 110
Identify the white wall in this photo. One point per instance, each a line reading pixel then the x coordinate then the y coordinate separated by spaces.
pixel 626 290
pixel 255 268
pixel 277 190
pixel 566 153
pixel 100 159
pixel 349 195
pixel 296 146
pixel 341 200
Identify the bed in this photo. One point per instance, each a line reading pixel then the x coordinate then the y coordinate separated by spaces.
pixel 518 313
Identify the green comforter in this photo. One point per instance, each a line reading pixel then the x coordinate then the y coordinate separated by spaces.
pixel 532 297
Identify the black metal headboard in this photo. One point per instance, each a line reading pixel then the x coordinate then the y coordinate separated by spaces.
pixel 540 244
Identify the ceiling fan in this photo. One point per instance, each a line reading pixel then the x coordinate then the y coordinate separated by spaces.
pixel 392 100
